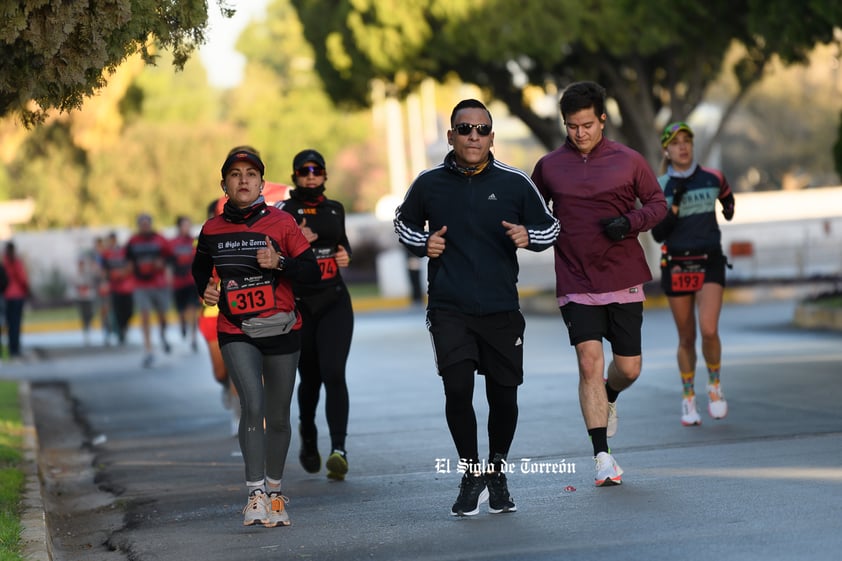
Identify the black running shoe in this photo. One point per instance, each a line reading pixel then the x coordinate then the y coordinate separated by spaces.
pixel 472 493
pixel 309 456
pixel 499 499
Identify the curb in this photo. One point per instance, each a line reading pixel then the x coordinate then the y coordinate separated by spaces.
pixel 35 541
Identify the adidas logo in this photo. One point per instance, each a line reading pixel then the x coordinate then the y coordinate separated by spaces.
pixel 492 197
pixel 519 342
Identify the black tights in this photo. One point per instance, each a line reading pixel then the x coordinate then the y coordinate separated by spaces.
pixel 461 419
pixel 325 345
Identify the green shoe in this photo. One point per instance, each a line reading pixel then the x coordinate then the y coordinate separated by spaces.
pixel 337 465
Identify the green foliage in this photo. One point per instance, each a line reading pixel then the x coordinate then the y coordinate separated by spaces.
pixel 152 140
pixel 165 169
pixel 5 184
pixel 169 97
pixel 283 107
pixel 790 31
pixel 59 53
pixel 652 56
pixel 799 153
pixel 51 170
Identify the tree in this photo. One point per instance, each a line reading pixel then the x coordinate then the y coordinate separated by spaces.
pixel 150 141
pixel 54 176
pixel 56 54
pixel 283 106
pixel 655 58
pixel 780 136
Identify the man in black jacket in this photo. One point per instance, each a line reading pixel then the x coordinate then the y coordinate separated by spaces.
pixel 477 211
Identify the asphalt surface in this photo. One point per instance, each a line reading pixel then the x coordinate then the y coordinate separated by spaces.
pixel 139 464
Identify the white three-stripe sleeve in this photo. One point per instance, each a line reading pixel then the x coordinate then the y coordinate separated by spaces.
pixel 409 224
pixel 543 228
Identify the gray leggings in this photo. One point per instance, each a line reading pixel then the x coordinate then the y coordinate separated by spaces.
pixel 265 384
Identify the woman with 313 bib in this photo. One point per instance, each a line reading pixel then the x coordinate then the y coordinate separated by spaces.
pixel 258 252
pixel 692 263
pixel 328 317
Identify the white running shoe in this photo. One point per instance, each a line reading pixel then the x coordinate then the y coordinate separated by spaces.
pixel 235 414
pixel 689 414
pixel 278 515
pixel 235 424
pixel 613 419
pixel 226 396
pixel 256 511
pixel 608 471
pixel 717 406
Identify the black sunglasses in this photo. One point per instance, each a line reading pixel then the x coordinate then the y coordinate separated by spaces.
pixel 304 171
pixel 464 129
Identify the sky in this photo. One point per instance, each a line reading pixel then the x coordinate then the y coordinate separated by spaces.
pixel 223 63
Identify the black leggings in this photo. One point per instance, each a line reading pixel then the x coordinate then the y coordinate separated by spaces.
pixel 461 419
pixel 325 344
pixel 123 306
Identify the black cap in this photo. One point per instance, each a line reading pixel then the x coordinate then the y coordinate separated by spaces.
pixel 308 155
pixel 239 156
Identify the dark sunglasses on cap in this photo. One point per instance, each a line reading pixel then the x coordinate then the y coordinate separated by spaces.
pixel 304 171
pixel 464 129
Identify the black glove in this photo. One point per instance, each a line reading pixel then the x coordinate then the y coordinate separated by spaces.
pixel 727 206
pixel 616 228
pixel 678 193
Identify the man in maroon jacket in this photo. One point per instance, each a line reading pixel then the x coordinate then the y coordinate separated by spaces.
pixel 594 185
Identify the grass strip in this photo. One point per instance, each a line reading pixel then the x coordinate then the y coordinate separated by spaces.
pixel 11 475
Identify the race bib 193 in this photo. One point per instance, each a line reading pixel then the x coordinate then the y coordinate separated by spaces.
pixel 686 272
pixel 687 282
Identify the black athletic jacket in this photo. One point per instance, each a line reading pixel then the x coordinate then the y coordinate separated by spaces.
pixel 327 219
pixel 478 271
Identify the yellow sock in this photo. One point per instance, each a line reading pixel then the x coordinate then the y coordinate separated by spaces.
pixel 713 374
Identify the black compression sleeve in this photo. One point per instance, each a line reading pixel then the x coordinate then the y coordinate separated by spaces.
pixel 663 229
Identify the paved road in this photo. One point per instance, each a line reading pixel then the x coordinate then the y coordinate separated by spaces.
pixel 140 465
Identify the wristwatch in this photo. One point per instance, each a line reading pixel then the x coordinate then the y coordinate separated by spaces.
pixel 282 262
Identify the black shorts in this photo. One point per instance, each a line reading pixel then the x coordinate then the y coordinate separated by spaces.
pixel 619 324
pixel 493 342
pixel 186 297
pixel 714 273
